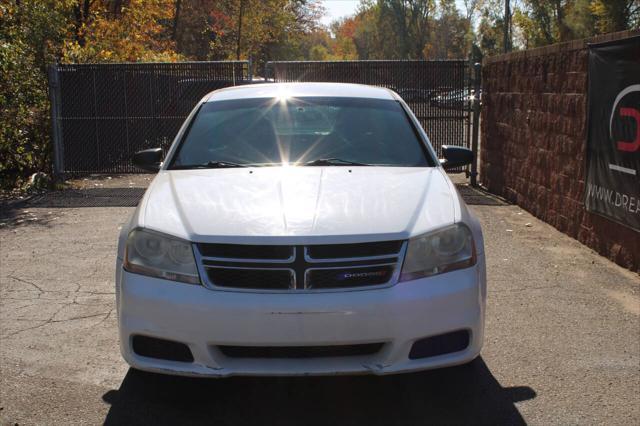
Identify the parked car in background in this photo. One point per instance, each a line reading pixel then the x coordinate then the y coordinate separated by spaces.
pixel 455 99
pixel 417 95
pixel 297 229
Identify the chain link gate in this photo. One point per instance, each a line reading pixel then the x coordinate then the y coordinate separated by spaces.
pixel 440 93
pixel 103 113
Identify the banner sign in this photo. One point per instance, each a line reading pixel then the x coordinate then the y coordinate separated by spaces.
pixel 613 141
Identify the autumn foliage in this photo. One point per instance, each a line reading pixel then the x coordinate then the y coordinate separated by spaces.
pixel 34 33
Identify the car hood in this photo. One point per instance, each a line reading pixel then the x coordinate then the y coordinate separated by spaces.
pixel 298 205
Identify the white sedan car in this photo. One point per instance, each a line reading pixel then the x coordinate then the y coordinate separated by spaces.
pixel 297 229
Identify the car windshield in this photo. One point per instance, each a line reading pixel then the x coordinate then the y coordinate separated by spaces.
pixel 314 131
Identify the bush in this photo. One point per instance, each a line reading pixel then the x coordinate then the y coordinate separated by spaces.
pixel 24 117
pixel 28 30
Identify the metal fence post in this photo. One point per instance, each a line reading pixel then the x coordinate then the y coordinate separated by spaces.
pixel 56 128
pixel 469 85
pixel 477 69
pixel 269 73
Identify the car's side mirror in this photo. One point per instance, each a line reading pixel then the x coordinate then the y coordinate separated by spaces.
pixel 456 156
pixel 148 159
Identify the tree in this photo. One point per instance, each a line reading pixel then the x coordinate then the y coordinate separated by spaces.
pixel 343 44
pixel 118 32
pixel 410 22
pixel 616 15
pixel 490 41
pixel 506 22
pixel 367 37
pixel 30 36
pixel 581 19
pixel 543 22
pixel 318 53
pixel 448 35
pixel 471 9
pixel 81 12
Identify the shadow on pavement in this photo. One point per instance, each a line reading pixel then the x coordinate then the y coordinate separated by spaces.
pixel 16 212
pixel 90 197
pixel 479 197
pixel 459 395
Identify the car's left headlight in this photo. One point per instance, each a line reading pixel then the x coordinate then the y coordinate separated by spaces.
pixel 161 256
pixel 439 251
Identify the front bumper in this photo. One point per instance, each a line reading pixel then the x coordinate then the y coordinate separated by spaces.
pixel 398 316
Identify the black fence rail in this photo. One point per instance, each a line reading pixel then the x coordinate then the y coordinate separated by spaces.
pixel 103 113
pixel 438 92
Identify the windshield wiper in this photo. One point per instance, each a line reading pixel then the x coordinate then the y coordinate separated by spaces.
pixel 211 165
pixel 333 162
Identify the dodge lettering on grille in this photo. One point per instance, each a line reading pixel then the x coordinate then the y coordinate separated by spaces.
pixel 348 275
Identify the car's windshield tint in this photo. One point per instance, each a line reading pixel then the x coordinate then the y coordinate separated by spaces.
pixel 314 131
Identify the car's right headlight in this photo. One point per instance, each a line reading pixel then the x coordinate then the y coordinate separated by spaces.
pixel 439 251
pixel 161 256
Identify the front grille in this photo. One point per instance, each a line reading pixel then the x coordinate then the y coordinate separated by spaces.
pixel 275 352
pixel 329 251
pixel 296 268
pixel 272 279
pixel 242 251
pixel 349 277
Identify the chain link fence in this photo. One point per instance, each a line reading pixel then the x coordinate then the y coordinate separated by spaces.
pixel 103 113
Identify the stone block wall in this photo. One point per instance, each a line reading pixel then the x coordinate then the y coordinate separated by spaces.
pixel 533 146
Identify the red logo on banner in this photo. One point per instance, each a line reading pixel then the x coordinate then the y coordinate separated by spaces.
pixel 630 112
pixel 635 144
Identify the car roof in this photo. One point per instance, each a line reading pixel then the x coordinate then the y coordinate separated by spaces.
pixel 276 90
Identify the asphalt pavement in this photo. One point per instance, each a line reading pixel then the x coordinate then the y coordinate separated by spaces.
pixel 562 338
